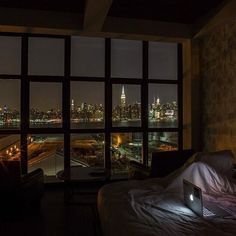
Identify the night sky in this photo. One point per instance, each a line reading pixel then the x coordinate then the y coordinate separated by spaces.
pixel 46 58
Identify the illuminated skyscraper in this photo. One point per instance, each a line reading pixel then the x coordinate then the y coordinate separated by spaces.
pixel 72 105
pixel 122 97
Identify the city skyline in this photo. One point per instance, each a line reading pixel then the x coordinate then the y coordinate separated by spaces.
pixel 46 57
pixel 89 92
pixel 86 113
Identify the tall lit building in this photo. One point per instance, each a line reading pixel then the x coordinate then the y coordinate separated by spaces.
pixel 72 105
pixel 122 97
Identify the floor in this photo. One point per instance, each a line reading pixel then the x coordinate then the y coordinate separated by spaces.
pixel 55 218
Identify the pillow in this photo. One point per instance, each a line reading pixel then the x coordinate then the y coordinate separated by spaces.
pixel 221 161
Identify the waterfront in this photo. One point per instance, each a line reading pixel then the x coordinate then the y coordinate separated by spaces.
pixel 93 125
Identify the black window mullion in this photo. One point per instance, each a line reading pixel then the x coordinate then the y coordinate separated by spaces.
pixel 66 102
pixel 24 103
pixel 180 97
pixel 144 103
pixel 108 103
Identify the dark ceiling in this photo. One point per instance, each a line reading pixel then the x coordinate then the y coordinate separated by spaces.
pixel 180 11
pixel 49 5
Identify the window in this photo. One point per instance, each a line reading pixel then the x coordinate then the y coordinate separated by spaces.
pixel 9 104
pixel 87 150
pixel 46 151
pixel 163 105
pixel 45 105
pixel 124 148
pixel 126 58
pixel 126 105
pixel 79 101
pixel 10 56
pixel 46 56
pixel 87 56
pixel 163 61
pixel 162 141
pixel 10 147
pixel 87 105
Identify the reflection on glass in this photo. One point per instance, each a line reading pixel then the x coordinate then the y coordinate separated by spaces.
pixel 87 150
pixel 10 56
pixel 46 56
pixel 45 105
pixel 9 104
pixel 124 148
pixel 126 58
pixel 162 141
pixel 87 105
pixel 47 152
pixel 9 147
pixel 163 107
pixel 87 56
pixel 126 105
pixel 162 61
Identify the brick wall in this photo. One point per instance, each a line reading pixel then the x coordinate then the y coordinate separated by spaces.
pixel 218 76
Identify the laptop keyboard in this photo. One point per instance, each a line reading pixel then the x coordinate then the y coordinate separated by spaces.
pixel 206 212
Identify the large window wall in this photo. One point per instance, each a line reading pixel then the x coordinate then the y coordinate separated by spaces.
pixel 80 101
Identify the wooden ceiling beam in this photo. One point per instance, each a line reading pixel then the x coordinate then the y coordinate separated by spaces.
pixel 158 29
pixel 39 21
pixel 224 12
pixel 95 14
pixel 62 23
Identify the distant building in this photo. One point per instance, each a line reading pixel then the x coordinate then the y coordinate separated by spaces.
pixel 123 98
pixel 72 105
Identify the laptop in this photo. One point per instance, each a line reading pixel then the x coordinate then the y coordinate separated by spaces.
pixel 193 200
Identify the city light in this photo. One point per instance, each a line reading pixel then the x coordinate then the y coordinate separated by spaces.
pixel 89 151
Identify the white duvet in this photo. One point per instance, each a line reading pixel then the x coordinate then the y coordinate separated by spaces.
pixel 145 208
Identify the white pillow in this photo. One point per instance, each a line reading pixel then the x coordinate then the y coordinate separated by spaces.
pixel 221 161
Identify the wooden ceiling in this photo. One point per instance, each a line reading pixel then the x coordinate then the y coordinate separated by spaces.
pixel 175 20
pixel 179 11
pixel 48 5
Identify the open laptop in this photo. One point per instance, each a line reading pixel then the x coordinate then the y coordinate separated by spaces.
pixel 193 199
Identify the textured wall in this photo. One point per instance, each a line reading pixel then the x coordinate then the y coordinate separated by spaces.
pixel 218 74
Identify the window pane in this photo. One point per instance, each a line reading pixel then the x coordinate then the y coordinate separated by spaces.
pixel 9 104
pixel 126 58
pixel 126 104
pixel 87 105
pixel 87 150
pixel 10 56
pixel 45 105
pixel 124 148
pixel 46 56
pixel 9 147
pixel 46 151
pixel 87 56
pixel 162 59
pixel 162 141
pixel 163 108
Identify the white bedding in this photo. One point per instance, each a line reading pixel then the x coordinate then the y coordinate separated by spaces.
pixel 145 208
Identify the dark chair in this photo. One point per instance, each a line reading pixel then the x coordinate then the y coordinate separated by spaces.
pixel 163 163
pixel 17 190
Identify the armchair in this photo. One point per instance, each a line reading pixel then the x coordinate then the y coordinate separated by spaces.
pixel 17 190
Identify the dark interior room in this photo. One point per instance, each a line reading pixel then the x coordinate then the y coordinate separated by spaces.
pixel 117 117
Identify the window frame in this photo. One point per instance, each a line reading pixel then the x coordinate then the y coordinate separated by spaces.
pixel 65 80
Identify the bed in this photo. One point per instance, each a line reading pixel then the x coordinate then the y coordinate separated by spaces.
pixel 155 206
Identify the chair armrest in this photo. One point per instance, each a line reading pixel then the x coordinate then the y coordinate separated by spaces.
pixel 138 170
pixel 33 183
pixel 34 175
